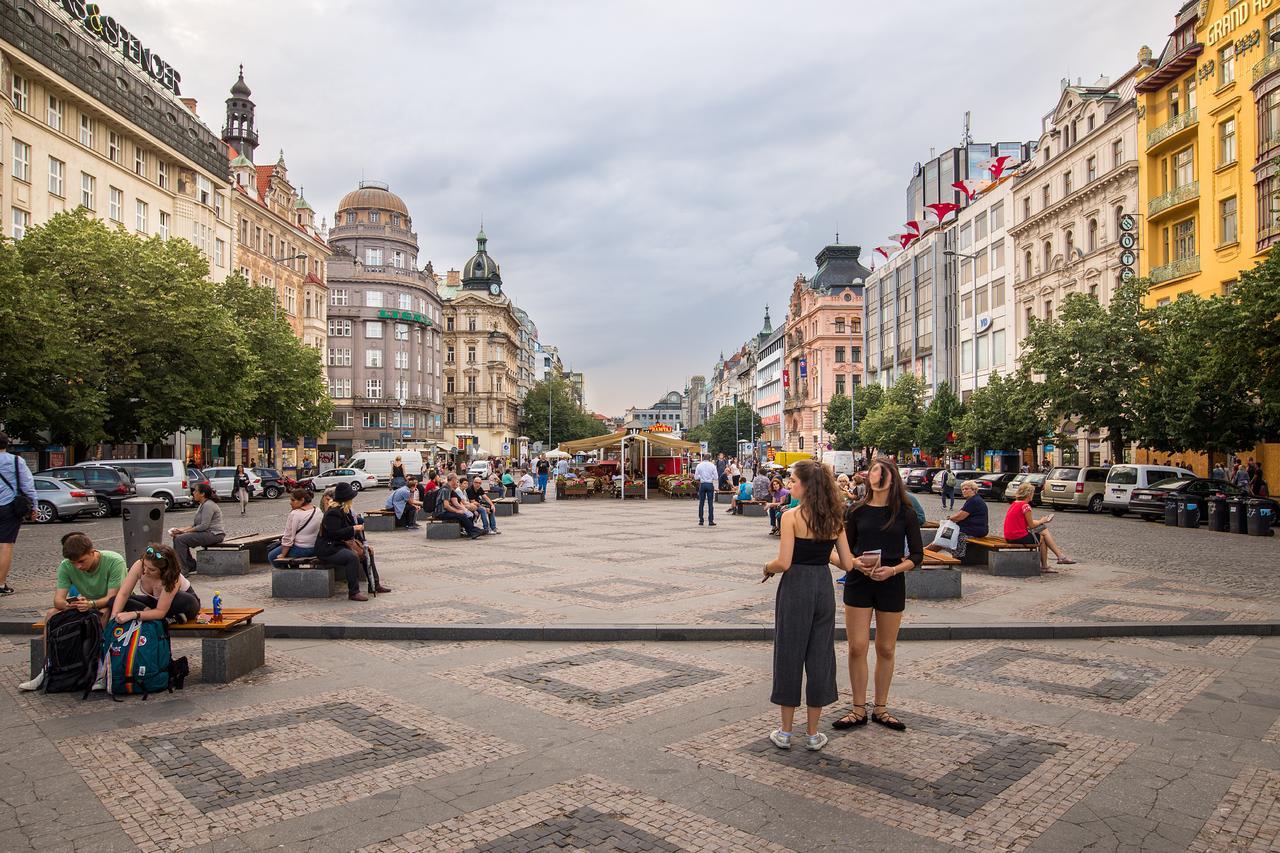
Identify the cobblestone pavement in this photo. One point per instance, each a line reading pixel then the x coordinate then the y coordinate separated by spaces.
pixel 602 562
pixel 496 746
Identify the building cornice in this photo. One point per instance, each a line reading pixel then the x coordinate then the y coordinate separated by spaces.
pixel 1098 186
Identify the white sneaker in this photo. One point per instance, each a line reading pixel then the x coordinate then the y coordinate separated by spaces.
pixel 101 683
pixel 33 684
pixel 813 743
pixel 781 739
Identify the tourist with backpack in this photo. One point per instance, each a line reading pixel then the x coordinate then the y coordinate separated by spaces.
pixel 948 488
pixel 88 580
pixel 155 588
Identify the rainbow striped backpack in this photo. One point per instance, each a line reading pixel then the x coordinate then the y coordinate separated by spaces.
pixel 137 657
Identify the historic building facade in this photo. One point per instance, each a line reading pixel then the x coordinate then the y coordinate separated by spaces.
pixel 385 346
pixel 823 351
pixel 481 359
pixel 768 383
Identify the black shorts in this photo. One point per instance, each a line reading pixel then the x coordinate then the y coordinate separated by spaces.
pixel 887 596
pixel 10 522
pixel 1029 539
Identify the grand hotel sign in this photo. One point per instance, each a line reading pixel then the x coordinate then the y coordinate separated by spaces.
pixel 115 36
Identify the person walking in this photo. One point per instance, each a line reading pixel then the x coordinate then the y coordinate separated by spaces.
pixel 544 471
pixel 707 477
pixel 948 488
pixel 241 488
pixel 805 605
pixel 721 465
pixel 733 473
pixel 18 502
pixel 205 529
pixel 1255 479
pixel 883 534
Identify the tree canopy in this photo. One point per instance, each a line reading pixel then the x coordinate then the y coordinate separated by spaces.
pixel 939 420
pixel 721 431
pixel 568 422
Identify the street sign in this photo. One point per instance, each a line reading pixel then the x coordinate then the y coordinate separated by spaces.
pixel 1048 448
pixel 1128 241
pixel 1128 258
pixel 1127 222
pixel 1127 274
pixel 1128 247
pixel 406 434
pixel 704 446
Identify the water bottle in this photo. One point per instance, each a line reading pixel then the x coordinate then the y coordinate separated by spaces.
pixel 217 606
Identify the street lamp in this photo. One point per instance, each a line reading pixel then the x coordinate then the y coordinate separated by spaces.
pixel 275 314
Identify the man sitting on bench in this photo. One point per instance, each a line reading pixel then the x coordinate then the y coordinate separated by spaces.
pixel 404 502
pixel 526 485
pixel 744 495
pixel 450 508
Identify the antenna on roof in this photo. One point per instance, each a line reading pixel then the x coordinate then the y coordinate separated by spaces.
pixel 837 232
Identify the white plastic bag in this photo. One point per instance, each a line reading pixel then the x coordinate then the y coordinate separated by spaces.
pixel 948 536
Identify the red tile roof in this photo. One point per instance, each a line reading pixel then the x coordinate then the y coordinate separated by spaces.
pixel 264 179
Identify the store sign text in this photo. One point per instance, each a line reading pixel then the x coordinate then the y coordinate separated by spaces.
pixel 106 28
pixel 1236 17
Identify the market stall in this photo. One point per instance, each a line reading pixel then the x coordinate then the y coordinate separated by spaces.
pixel 641 456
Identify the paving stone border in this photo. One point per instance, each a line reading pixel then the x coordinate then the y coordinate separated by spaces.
pixel 1247 820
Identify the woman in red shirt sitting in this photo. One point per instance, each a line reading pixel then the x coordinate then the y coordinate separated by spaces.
pixel 1021 529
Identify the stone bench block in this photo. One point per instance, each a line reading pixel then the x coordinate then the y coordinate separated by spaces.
pixel 934 583
pixel 754 510
pixel 379 523
pixel 223 561
pixel 444 530
pixel 1015 564
pixel 232 653
pixel 502 510
pixel 532 497
pixel 302 583
pixel 37 655
pixel 724 497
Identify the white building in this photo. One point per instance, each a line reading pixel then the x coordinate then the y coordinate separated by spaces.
pixel 984 288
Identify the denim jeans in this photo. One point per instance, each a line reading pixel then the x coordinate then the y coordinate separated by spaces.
pixel 707 494
pixel 542 482
pixel 294 551
pixel 775 516
pixel 488 520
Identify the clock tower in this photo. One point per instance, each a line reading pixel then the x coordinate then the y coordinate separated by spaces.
pixel 481 271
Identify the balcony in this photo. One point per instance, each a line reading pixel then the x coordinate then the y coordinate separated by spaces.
pixel 365 229
pixel 1171 128
pixel 1266 65
pixel 1173 199
pixel 1177 269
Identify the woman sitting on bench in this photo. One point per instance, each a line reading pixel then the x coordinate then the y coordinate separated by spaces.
pixel 1021 529
pixel 300 529
pixel 338 532
pixel 162 592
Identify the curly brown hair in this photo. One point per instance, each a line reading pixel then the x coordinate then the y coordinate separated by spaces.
pixel 164 560
pixel 822 505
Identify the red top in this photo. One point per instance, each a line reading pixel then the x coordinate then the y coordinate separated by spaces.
pixel 1015 521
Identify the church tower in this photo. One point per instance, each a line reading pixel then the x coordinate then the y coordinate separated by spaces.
pixel 239 131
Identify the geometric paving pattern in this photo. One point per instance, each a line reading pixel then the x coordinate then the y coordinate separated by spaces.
pixel 964 778
pixel 483 570
pixel 1085 608
pixel 1273 733
pixel 448 611
pixel 587 813
pixel 1247 819
pixel 177 784
pixel 408 651
pixel 618 593
pixel 1112 685
pixel 601 686
pixel 1224 646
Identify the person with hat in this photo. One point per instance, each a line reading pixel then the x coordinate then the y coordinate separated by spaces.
pixel 338 530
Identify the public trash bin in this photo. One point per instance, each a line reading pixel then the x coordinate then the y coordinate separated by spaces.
pixel 1171 511
pixel 1219 517
pixel 143 520
pixel 1236 512
pixel 1189 508
pixel 1260 518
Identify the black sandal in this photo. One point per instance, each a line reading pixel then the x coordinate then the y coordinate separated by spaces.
pixel 849 720
pixel 889 721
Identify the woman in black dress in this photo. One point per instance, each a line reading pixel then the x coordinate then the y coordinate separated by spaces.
pixel 337 529
pixel 397 473
pixel 884 535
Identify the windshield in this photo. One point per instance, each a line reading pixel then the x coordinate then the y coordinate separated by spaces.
pixel 1123 475
pixel 1035 478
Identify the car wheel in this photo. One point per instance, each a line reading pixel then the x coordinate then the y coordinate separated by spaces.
pixel 1095 504
pixel 273 492
pixel 103 510
pixel 355 486
pixel 168 501
pixel 1118 513
pixel 46 512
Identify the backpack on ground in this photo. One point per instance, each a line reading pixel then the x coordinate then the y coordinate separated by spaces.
pixel 138 660
pixel 71 651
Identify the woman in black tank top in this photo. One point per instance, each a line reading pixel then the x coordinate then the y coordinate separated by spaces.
pixel 805 607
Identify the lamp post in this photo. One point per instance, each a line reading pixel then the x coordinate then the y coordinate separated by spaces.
pixel 275 315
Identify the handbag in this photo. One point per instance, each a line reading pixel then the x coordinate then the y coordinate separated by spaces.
pixel 948 535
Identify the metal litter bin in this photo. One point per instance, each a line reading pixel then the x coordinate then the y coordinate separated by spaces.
pixel 1171 511
pixel 1260 518
pixel 143 521
pixel 1189 511
pixel 1219 516
pixel 1236 512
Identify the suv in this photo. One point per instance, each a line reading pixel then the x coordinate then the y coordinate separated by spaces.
pixel 483 468
pixel 918 479
pixel 110 485
pixel 165 479
pixel 222 479
pixel 1075 488
pixel 1123 479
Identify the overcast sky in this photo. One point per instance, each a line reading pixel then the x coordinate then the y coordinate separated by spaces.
pixel 650 174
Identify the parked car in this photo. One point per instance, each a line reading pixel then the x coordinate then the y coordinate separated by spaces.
pixel 110 485
pixel 195 477
pixel 960 476
pixel 918 479
pixel 62 500
pixel 1123 479
pixel 1011 488
pixel 992 486
pixel 483 468
pixel 358 479
pixel 274 484
pixel 165 479
pixel 1148 503
pixel 222 479
pixel 1071 487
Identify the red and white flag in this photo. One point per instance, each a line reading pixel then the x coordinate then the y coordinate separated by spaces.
pixel 995 166
pixel 971 189
pixel 943 210
pixel 904 240
pixel 887 251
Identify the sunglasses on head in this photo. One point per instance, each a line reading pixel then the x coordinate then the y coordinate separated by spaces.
pixel 156 556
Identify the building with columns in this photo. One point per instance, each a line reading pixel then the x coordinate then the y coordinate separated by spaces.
pixel 384 319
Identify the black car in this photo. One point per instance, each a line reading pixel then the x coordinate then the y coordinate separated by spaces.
pixel 919 479
pixel 110 485
pixel 1011 488
pixel 274 484
pixel 992 486
pixel 1148 503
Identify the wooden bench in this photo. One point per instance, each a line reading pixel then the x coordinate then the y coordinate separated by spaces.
pixel 937 558
pixel 1005 559
pixel 233 556
pixel 228 649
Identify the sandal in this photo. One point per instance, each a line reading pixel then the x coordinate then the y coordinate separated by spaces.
pixel 1066 561
pixel 852 719
pixel 889 721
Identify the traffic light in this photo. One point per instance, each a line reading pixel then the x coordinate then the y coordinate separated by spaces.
pixel 1128 246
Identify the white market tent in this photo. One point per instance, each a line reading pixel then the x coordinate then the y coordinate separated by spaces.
pixel 641 442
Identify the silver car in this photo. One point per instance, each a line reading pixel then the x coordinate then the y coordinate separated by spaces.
pixel 165 479
pixel 60 500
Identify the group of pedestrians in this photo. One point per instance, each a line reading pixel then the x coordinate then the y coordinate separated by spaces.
pixel 1246 476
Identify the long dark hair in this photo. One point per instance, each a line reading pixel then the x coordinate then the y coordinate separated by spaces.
pixel 164 560
pixel 898 498
pixel 821 501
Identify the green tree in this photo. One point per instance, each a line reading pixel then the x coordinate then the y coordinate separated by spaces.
pixel 1253 345
pixel 888 428
pixel 939 419
pixel 866 400
pixel 568 422
pixel 1092 360
pixel 1008 413
pixel 837 423
pixel 720 431
pixel 1194 393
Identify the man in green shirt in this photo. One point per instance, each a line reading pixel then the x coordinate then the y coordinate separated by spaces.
pixel 96 576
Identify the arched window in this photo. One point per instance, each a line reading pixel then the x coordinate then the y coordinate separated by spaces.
pixel 1026 264
pixel 1048 255
pixel 1119 212
pixel 1093 235
pixel 1070 244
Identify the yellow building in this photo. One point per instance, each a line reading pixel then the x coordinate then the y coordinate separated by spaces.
pixel 1209 124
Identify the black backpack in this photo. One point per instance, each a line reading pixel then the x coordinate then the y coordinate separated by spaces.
pixel 431 501
pixel 72 649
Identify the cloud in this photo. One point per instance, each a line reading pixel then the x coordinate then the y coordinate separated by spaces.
pixel 650 173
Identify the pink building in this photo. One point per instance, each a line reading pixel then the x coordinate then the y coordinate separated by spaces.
pixel 823 349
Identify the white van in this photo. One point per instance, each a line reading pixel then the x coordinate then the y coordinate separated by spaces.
pixel 1123 479
pixel 165 479
pixel 379 462
pixel 841 461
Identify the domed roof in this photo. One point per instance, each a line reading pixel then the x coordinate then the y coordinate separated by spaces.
pixel 481 269
pixel 373 194
pixel 240 89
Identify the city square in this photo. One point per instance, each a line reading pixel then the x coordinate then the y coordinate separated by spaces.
pixel 638 426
